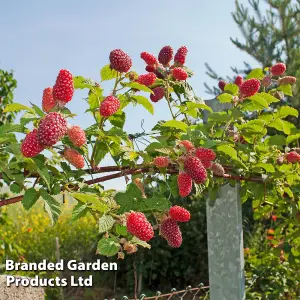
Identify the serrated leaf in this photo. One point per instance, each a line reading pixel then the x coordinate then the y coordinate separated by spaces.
pixel 15 107
pixel 101 149
pixel 227 149
pixel 51 206
pixel 138 86
pixel 276 139
pixel 256 73
pixel 293 137
pixel 269 98
pixel 145 103
pixel 285 111
pixel 107 73
pixel 126 200
pixel 42 170
pixel 176 124
pixel 106 222
pixel 286 89
pixel 30 197
pixel 192 105
pixel 81 83
pixel 108 247
pixel 282 125
pixel 155 203
pixel 267 167
pixel 225 98
pixel 231 88
pixel 37 110
pixel 79 211
pixel 118 119
pixel 121 230
pixel 167 151
pixel 260 100
pixel 139 242
pixel 15 188
pixel 7 128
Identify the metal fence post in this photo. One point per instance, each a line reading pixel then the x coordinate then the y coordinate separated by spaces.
pixel 225 240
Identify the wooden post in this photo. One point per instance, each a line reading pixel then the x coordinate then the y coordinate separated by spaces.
pixel 225 240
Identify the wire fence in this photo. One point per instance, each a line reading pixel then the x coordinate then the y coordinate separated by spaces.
pixel 199 292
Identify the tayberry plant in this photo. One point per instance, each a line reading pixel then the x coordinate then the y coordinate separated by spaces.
pixel 195 151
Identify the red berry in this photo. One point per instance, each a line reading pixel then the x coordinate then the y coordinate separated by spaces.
pixel 77 136
pixel 52 128
pixel 48 102
pixel 109 106
pixel 205 154
pixel 217 169
pixel 185 184
pixel 138 225
pixel 159 93
pixel 147 79
pixel 63 88
pixel 250 87
pixel 120 61
pixel 165 55
pixel 278 69
pixel 31 146
pixel 149 59
pixel 179 74
pixel 266 81
pixel 179 214
pixel 151 69
pixel 74 158
pixel 161 161
pixel 222 84
pixel 180 55
pixel 287 80
pixel 171 232
pixel 206 163
pixel 194 167
pixel 293 157
pixel 238 80
pixel 187 145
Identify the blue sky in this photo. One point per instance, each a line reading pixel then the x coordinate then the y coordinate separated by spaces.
pixel 38 38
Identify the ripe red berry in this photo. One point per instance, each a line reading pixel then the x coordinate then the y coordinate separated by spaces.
pixel 161 161
pixel 147 79
pixel 185 184
pixel 206 163
pixel 31 146
pixel 179 74
pixel 109 106
pixel 180 55
pixel 179 214
pixel 278 69
pixel 149 59
pixel 171 232
pixel 187 145
pixel 266 81
pixel 77 136
pixel 74 158
pixel 217 169
pixel 165 55
pixel 293 157
pixel 52 128
pixel 63 88
pixel 238 80
pixel 287 80
pixel 138 225
pixel 222 84
pixel 120 61
pixel 249 87
pixel 194 167
pixel 205 154
pixel 48 102
pixel 159 93
pixel 151 69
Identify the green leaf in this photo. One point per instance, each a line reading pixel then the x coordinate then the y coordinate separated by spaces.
pixel 292 137
pixel 92 200
pixel 37 110
pixel 42 170
pixel 155 203
pixel 106 222
pixel 231 88
pixel 81 83
pixel 227 149
pixel 269 98
pixel 192 105
pixel 107 73
pixel 285 111
pixel 286 89
pixel 101 149
pixel 15 188
pixel 79 211
pixel 259 100
pixel 94 101
pixel 108 247
pixel 139 242
pixel 121 230
pixel 276 139
pixel 256 73
pixel 127 200
pixel 176 124
pixel 138 86
pixel 268 167
pixel 15 107
pixel 30 197
pixel 282 125
pixel 51 206
pixel 118 119
pixel 225 98
pixel 145 103
pixel 7 128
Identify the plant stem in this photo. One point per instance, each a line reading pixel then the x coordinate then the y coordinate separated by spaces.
pixel 168 99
